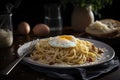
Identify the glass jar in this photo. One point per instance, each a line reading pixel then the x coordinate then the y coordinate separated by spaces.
pixel 6 30
pixel 53 17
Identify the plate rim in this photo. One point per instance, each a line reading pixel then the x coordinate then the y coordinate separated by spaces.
pixel 76 66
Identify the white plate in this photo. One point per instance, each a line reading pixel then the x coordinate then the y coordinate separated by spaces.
pixel 108 55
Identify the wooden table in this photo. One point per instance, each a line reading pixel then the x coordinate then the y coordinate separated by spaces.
pixel 23 72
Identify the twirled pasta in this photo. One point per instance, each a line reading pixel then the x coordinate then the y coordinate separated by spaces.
pixel 83 52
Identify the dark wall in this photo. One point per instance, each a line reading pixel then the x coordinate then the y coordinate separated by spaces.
pixel 32 11
pixel 112 11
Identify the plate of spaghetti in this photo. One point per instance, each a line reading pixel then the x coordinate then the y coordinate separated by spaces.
pixel 67 51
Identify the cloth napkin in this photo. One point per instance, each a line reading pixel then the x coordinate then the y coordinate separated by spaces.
pixel 87 73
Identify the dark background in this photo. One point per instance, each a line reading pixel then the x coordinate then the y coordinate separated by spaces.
pixel 32 11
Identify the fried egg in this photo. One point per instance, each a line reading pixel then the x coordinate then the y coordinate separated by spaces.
pixel 64 41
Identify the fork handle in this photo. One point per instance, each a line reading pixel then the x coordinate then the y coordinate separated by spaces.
pixel 10 67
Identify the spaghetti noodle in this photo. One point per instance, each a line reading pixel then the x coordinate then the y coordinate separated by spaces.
pixel 83 52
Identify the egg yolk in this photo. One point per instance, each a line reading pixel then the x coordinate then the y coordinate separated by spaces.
pixel 66 37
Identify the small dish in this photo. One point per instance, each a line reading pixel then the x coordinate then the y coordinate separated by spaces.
pixel 112 31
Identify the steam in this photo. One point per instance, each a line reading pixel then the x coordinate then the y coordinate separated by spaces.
pixel 10 6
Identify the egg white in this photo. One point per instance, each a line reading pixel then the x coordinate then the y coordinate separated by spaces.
pixel 64 41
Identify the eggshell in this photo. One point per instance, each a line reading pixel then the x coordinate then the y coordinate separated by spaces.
pixel 24 28
pixel 41 30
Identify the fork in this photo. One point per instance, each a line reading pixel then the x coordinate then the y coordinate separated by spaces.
pixel 10 67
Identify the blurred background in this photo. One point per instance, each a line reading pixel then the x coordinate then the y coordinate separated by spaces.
pixel 32 11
